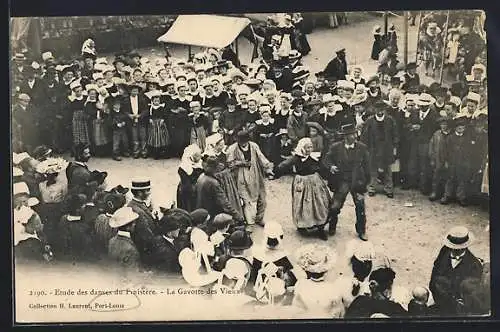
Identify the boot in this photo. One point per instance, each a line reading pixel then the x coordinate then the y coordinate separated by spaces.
pixel 445 200
pixel 332 223
pixel 322 234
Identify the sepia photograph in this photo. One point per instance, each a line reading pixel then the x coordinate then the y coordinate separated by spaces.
pixel 262 166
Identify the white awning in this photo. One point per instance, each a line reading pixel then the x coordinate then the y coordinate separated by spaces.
pixel 205 30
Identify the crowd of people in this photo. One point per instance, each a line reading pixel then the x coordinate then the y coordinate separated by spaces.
pixel 235 127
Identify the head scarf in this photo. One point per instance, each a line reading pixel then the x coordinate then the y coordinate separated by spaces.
pixel 300 149
pixel 88 47
pixel 187 163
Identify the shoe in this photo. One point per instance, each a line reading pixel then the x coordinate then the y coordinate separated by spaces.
pixel 322 234
pixel 126 154
pixel 444 201
pixel 371 194
pixel 260 223
pixel 117 158
pixel 390 195
pixel 136 156
pixel 144 156
pixel 363 236
pixel 433 197
pixel 463 203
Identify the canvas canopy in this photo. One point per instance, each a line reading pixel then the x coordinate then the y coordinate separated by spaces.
pixel 205 30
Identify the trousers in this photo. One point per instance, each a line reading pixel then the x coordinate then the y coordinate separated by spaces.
pixel 387 179
pixel 438 180
pixel 339 198
pixel 254 210
pixel 139 139
pixel 120 140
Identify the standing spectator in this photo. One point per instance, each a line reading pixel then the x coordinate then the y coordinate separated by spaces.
pixel 458 159
pixel 337 67
pixel 297 121
pixel 381 136
pixel 158 135
pixel 231 121
pixel 119 121
pixel 265 132
pixel 438 150
pixel 200 125
pixel 136 109
pixel 411 78
pixel 378 43
pixel 392 37
pixel 165 254
pixel 79 122
pixel 453 265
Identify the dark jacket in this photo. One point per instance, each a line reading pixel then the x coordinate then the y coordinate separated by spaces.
pixel 364 306
pixel 79 178
pixel 336 70
pixel 143 109
pixel 445 280
pixel 165 257
pixel 381 152
pixel 428 126
pixel 360 173
pixel 144 231
pixel 297 126
pixel 123 251
pixel 211 196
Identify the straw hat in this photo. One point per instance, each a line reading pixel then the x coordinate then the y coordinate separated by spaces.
pixel 51 166
pixel 273 230
pixel 123 216
pixel 458 237
pixel 425 99
pixel 475 97
pixel 316 258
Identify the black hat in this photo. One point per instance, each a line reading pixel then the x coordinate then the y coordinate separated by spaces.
pixel 141 184
pixel 113 201
pixel 384 277
pixel 342 50
pixel 120 58
pixel 174 219
pixel 239 240
pixel 460 121
pixel 41 152
pixel 134 54
pixel 347 129
pixel 298 101
pixel 86 55
pixel 231 101
pixel 119 189
pixel 243 136
pixel 99 177
pixel 76 201
pixel 199 216
pixel 443 119
pixel 68 69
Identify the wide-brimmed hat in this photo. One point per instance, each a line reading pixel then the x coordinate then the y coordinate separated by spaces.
pixel 123 216
pixel 273 230
pixel 282 131
pixel 239 240
pixel 460 120
pixel 243 136
pixel 19 57
pixel 347 129
pixel 372 78
pixel 199 216
pixel 475 97
pixel 51 166
pixel 210 163
pixel 141 184
pixel 425 99
pixel 317 126
pixel 458 237
pixel 315 258
pixel 41 152
pixel 222 219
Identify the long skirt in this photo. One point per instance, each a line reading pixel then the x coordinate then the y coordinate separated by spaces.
pixel 228 184
pixel 310 201
pixel 198 137
pixel 50 213
pixel 80 128
pixel 100 132
pixel 186 197
pixel 158 134
pixel 29 250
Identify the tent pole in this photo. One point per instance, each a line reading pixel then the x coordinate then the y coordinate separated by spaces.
pixel 444 49
pixel 418 33
pixel 189 52
pixel 406 16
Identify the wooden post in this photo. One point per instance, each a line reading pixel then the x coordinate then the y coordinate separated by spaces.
pixel 386 23
pixel 236 46
pixel 189 52
pixel 418 33
pixel 406 17
pixel 441 70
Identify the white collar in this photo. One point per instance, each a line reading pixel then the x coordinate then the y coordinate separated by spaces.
pixel 108 214
pixel 124 234
pixel 170 240
pixel 351 146
pixel 458 257
pixel 73 218
pixel 381 118
pixel 81 163
pixel 459 135
pixel 424 113
pixel 260 122
pixel 373 94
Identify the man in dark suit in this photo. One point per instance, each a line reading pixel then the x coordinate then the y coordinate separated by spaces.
pixel 145 227
pixel 210 194
pixel 348 163
pixel 33 87
pixel 78 174
pixel 165 254
pixel 454 264
pixel 121 248
pixel 337 67
pixel 427 127
pixel 136 107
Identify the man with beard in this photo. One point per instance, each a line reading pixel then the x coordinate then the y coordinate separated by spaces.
pixel 80 178
pixel 337 67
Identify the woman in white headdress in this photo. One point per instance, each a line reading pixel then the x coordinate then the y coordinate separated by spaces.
pixel 189 170
pixel 215 147
pixel 310 196
pixel 315 295
pixel 158 135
